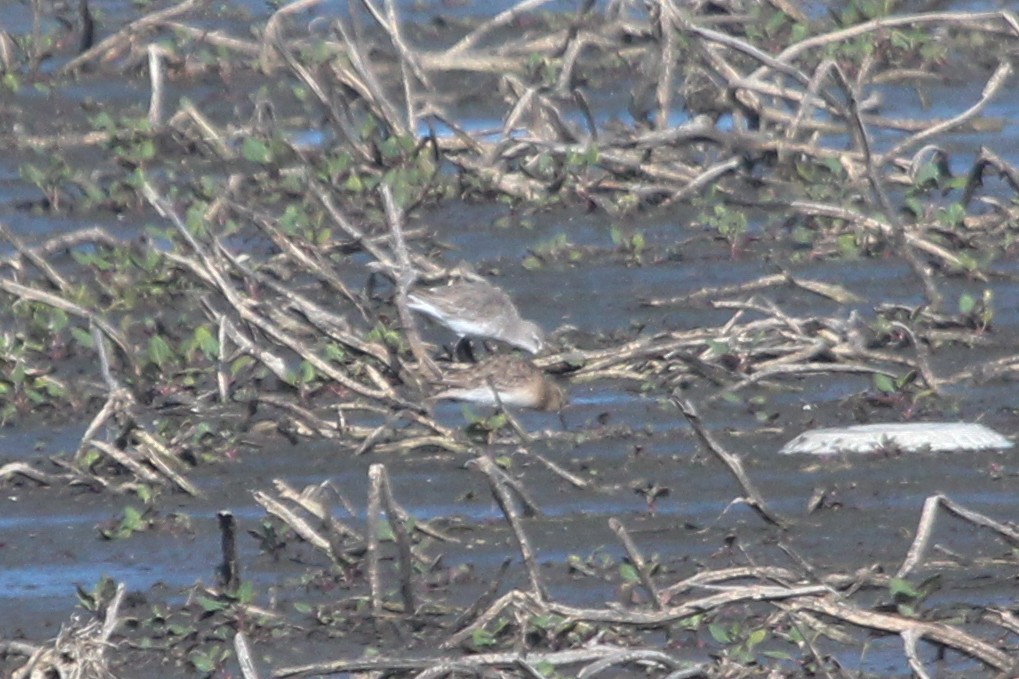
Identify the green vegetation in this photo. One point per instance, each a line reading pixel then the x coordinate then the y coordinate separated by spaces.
pixel 225 274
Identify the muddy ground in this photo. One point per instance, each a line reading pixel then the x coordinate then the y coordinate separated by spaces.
pixel 606 266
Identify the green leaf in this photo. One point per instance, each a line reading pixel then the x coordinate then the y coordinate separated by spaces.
pixel 798 33
pixel 390 147
pixel 967 303
pixel 339 164
pixel 32 174
pixel 335 352
pixel 240 364
pixel 847 245
pixel 617 236
pixel 144 492
pixel 953 215
pixel 256 151
pixel 914 205
pixel 717 347
pixel 52 388
pixel 159 351
pixel 628 573
pixel 638 243
pixel 928 173
pixel 146 150
pixel 90 458
pixel 82 337
pixel 207 342
pixel 147 260
pixel 308 372
pixel 902 588
pixel 545 622
pixel 85 599
pixel 354 184
pixel 774 23
pixel 210 605
pixel 957 183
pixel 482 637
pixel 246 592
pixel 202 662
pixel 884 384
pixel 58 320
pixel 546 669
pixel 132 518
pixel 719 633
pixel 386 532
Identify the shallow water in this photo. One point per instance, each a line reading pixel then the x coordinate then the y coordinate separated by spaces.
pixel 49 540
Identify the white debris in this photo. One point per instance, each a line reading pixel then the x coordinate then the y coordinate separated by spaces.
pixel 910 437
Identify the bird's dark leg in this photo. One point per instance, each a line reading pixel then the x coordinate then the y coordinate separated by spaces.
pixel 464 351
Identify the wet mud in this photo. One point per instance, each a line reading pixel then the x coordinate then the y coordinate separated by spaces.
pixel 575 270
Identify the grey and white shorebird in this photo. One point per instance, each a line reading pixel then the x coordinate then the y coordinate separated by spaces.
pixel 518 382
pixel 478 309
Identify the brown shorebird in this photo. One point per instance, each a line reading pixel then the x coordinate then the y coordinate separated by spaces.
pixel 478 309
pixel 517 381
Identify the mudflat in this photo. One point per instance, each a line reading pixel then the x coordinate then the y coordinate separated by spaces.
pixel 221 455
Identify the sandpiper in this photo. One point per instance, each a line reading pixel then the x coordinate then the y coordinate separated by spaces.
pixel 478 309
pixel 518 382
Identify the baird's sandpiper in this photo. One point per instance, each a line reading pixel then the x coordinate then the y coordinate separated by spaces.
pixel 478 309
pixel 518 382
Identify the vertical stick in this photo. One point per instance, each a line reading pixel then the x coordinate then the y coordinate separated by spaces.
pixel 156 78
pixel 230 569
pixel 244 659
pixel 637 559
pixel 405 276
pixel 400 533
pixel 509 509
pixel 731 461
pixel 374 524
